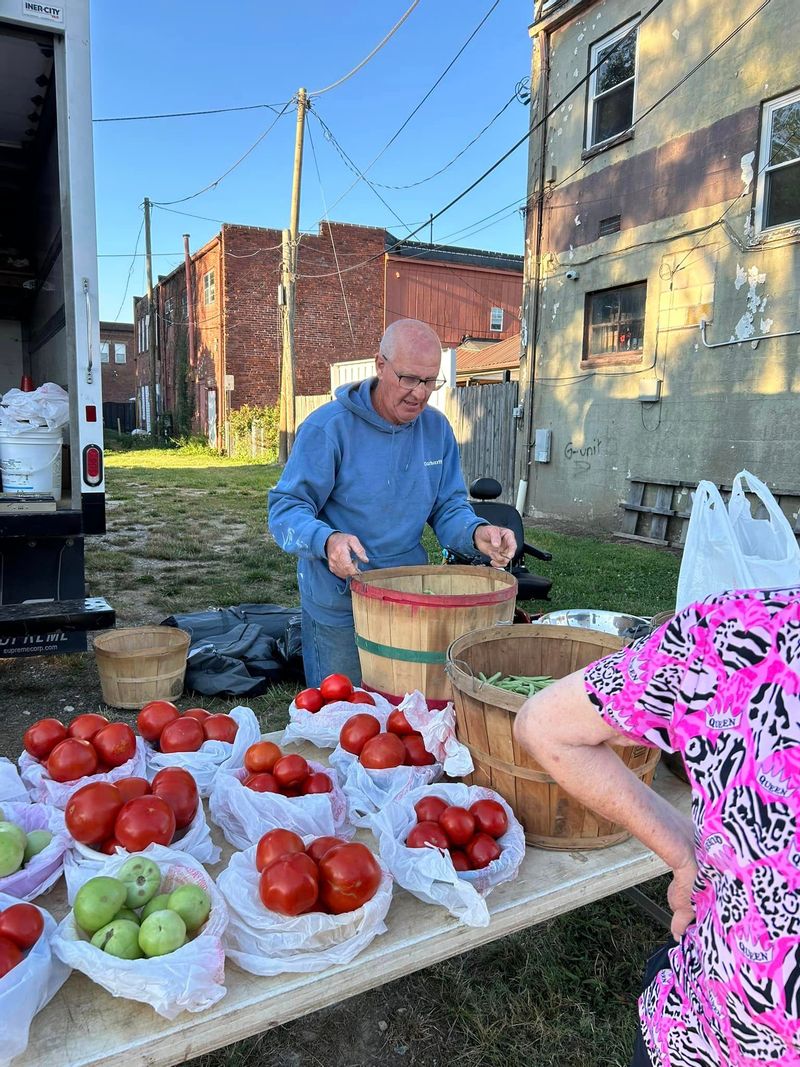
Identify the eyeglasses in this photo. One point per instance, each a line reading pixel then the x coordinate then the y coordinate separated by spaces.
pixel 411 381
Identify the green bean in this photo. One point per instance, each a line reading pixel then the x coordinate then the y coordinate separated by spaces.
pixel 520 684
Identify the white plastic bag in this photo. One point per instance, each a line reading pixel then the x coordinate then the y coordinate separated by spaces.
pixel 726 548
pixel 368 790
pixel 438 729
pixel 262 942
pixel 83 862
pixel 322 728
pixel 11 785
pixel 26 989
pixel 43 789
pixel 44 869
pixel 244 815
pixel 189 979
pixel 429 874
pixel 212 756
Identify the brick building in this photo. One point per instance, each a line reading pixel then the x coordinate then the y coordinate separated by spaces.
pixel 352 281
pixel 117 361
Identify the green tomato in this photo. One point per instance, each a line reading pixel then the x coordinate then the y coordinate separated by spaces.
pixel 192 903
pixel 97 902
pixel 142 879
pixel 161 933
pixel 119 938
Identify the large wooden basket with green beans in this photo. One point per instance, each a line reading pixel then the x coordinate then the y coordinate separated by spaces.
pixel 492 672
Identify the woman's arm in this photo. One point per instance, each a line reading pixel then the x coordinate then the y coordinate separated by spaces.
pixel 568 736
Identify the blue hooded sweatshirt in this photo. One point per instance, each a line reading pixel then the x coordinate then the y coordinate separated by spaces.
pixel 353 472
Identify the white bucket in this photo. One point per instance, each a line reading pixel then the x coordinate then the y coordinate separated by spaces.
pixel 30 462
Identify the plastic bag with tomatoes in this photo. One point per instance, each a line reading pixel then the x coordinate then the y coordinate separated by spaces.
pixel 189 979
pixel 244 815
pixel 83 862
pixel 43 789
pixel 26 988
pixel 212 756
pixel 438 729
pixel 265 943
pixel 322 728
pixel 11 785
pixel 369 790
pixel 44 869
pixel 428 873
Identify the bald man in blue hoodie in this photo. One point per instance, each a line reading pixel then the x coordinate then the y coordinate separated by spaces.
pixel 367 472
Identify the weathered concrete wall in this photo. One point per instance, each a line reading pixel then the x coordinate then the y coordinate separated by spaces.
pixel 684 187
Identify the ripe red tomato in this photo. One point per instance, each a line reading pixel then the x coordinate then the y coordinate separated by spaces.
pixel 220 728
pixel 309 700
pixel 132 787
pixel 262 756
pixel 349 876
pixel 262 782
pixel 196 713
pixel 317 849
pixel 71 759
pixel 458 824
pixel 360 697
pixel 397 723
pixel 153 717
pixel 143 821
pixel 84 727
pixel 335 687
pixel 385 750
pixel 182 735
pixel 10 955
pixel 357 731
pixel 41 738
pixel 481 850
pixel 115 744
pixel 429 809
pixel 427 833
pixel 416 753
pixel 290 885
pixel 109 847
pixel 460 860
pixel 178 787
pixel 318 782
pixel 290 771
pixel 274 844
pixel 490 817
pixel 92 811
pixel 23 924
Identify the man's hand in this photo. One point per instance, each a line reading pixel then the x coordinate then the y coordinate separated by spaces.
pixel 679 896
pixel 496 542
pixel 340 548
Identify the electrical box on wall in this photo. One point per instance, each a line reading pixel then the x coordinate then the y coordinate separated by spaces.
pixel 542 444
pixel 649 390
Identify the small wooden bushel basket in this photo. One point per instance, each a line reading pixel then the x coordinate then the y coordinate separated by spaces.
pixel 140 664
pixel 485 720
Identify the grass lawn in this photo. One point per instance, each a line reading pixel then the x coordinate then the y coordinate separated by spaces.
pixel 187 532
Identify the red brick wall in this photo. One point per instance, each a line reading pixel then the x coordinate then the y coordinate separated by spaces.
pixel 119 379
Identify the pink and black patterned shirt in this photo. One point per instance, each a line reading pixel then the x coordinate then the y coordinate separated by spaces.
pixel 720 684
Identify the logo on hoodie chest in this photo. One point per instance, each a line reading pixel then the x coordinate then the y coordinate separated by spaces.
pixel 432 463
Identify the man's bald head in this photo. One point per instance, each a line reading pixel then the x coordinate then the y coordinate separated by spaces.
pixel 412 337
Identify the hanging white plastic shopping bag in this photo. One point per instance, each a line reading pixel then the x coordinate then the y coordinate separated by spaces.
pixel 727 548
pixel 26 988
pixel 428 873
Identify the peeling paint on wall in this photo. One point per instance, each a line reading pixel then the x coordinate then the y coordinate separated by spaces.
pixel 747 170
pixel 745 327
pixel 676 34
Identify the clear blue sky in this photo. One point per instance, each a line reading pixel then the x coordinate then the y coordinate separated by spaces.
pixel 153 57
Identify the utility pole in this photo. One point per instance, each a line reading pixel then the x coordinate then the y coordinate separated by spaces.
pixel 288 279
pixel 151 322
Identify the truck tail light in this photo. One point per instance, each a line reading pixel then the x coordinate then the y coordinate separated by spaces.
pixel 92 465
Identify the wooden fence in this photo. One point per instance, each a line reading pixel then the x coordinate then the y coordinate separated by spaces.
pixel 482 417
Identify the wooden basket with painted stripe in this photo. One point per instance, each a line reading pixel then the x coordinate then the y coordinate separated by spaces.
pixel 485 720
pixel 406 618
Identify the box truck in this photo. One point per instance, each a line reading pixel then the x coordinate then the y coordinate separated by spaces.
pixel 49 331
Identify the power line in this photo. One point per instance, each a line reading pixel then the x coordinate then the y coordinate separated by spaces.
pixel 130 272
pixel 363 63
pixel 190 114
pixel 241 159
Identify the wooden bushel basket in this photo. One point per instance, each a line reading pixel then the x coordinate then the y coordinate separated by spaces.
pixel 406 618
pixel 485 720
pixel 141 664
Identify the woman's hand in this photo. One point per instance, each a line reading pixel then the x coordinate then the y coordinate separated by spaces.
pixel 679 896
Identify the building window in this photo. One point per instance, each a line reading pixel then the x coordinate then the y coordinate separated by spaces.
pixel 209 287
pixel 104 349
pixel 144 333
pixel 120 353
pixel 615 321
pixel 778 198
pixel 496 321
pixel 612 85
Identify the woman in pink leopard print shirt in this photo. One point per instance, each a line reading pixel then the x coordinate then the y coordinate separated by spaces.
pixel 719 684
